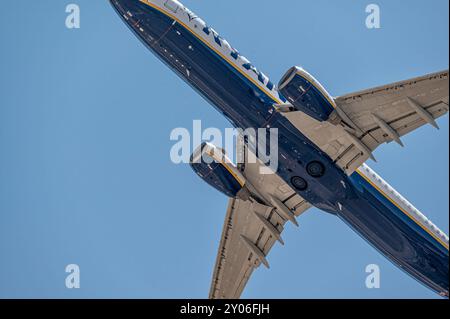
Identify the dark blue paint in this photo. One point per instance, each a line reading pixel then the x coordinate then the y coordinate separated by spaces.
pixel 216 175
pixel 309 100
pixel 365 210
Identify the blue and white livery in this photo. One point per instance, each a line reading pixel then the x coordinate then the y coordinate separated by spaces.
pixel 323 146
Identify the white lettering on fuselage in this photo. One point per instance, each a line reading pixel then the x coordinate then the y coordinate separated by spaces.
pixel 196 25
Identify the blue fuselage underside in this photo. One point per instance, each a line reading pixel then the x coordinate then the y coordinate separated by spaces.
pixel 364 208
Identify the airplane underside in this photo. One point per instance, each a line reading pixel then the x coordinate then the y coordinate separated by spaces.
pixel 352 198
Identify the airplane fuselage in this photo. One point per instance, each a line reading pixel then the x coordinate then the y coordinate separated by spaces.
pixel 246 97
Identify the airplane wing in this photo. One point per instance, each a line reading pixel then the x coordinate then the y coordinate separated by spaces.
pixel 375 116
pixel 386 113
pixel 367 119
pixel 250 231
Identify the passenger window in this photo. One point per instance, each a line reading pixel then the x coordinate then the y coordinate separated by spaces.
pixel 171 5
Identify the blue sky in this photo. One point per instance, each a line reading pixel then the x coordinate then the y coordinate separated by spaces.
pixel 85 172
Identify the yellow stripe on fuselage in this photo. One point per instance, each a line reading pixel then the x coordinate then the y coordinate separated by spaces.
pixel 402 210
pixel 279 101
pixel 276 100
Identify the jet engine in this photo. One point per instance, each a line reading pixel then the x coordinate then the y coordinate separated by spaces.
pixel 306 94
pixel 212 165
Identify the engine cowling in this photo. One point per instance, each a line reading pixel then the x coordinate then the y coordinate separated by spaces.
pixel 215 168
pixel 306 94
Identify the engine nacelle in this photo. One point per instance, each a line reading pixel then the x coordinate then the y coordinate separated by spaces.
pixel 306 94
pixel 215 168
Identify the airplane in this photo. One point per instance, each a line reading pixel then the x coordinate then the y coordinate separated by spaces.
pixel 324 144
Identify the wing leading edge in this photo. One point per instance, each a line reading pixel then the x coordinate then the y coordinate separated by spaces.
pixel 370 118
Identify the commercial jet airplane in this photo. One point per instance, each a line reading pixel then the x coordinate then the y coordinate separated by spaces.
pixel 324 142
